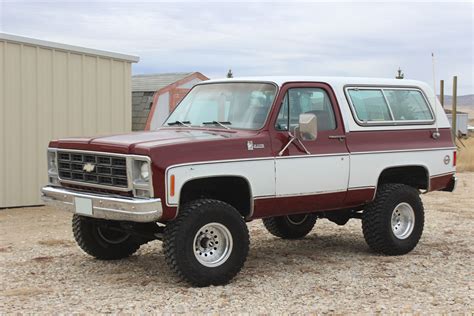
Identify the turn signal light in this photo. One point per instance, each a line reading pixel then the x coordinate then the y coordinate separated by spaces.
pixel 454 158
pixel 172 185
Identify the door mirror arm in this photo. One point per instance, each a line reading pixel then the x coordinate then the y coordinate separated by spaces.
pixel 293 138
pixel 307 129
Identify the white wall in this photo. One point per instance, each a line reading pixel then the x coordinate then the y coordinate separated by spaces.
pixel 462 120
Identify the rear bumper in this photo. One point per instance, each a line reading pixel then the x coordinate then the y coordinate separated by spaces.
pixel 105 207
pixel 451 185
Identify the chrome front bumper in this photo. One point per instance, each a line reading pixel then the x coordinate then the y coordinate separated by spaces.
pixel 106 207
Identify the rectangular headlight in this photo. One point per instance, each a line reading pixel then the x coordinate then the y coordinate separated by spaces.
pixel 52 167
pixel 141 174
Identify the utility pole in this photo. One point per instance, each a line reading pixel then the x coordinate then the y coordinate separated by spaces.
pixel 454 112
pixel 441 92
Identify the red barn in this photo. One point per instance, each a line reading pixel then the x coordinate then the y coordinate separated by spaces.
pixel 155 96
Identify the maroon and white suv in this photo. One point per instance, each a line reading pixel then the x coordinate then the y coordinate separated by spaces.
pixel 288 150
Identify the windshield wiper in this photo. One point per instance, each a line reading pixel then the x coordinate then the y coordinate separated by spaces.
pixel 182 123
pixel 220 123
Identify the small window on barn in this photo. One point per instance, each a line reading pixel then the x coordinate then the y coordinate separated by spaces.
pixel 408 105
pixel 370 105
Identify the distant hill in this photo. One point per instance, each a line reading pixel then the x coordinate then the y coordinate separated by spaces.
pixel 463 100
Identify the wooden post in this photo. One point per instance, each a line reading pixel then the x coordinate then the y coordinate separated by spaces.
pixel 454 112
pixel 441 92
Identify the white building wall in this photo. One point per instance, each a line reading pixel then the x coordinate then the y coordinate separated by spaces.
pixel 462 120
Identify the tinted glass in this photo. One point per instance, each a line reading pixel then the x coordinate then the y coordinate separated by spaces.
pixel 306 100
pixel 370 105
pixel 408 105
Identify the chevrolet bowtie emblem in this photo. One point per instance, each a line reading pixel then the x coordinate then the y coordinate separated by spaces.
pixel 88 167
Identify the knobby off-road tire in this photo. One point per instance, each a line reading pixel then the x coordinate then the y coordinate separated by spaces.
pixel 290 226
pixel 393 223
pixel 207 244
pixel 100 242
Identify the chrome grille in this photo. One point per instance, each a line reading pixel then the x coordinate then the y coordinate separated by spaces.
pixel 110 171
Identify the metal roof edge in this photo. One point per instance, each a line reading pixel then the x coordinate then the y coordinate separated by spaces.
pixel 67 47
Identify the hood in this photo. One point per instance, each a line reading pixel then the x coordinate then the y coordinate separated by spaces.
pixel 142 141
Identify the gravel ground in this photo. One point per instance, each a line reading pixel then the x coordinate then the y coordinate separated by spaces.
pixel 330 271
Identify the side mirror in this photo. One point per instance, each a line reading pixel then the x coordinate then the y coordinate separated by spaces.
pixel 308 127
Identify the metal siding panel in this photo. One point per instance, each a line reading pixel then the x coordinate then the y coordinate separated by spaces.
pixel 74 84
pixel 89 92
pixel 45 110
pixel 117 110
pixel 12 124
pixel 2 126
pixel 29 180
pixel 127 96
pixel 60 95
pixel 104 106
pixel 51 94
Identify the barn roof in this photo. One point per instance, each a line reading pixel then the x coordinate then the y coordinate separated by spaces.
pixel 155 82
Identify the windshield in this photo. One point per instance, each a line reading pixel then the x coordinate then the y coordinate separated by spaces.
pixel 225 105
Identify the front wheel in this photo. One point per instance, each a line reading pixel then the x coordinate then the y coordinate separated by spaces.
pixel 393 223
pixel 207 243
pixel 102 239
pixel 290 226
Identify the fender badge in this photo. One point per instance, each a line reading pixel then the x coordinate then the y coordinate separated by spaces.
pixel 252 146
pixel 446 159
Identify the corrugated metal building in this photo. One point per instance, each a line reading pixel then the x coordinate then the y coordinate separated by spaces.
pixel 155 96
pixel 50 90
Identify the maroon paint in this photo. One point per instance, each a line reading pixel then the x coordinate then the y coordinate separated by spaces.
pixel 171 146
pixel 398 140
pixel 440 182
pixel 271 206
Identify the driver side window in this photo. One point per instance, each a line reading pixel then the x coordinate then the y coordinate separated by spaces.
pixel 306 100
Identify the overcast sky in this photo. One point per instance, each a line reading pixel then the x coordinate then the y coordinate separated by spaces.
pixel 284 38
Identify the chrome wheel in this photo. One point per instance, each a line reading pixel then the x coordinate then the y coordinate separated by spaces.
pixel 112 236
pixel 403 220
pixel 297 219
pixel 212 244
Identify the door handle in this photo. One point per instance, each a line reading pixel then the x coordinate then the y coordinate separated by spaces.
pixel 340 137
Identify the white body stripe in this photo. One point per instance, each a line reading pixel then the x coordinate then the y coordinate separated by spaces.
pixel 260 175
pixel 311 174
pixel 305 175
pixel 366 167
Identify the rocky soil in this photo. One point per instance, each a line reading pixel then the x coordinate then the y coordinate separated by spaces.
pixel 330 271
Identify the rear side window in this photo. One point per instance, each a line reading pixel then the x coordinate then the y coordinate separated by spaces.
pixel 370 105
pixel 389 105
pixel 408 105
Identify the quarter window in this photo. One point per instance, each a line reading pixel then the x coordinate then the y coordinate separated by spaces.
pixel 373 105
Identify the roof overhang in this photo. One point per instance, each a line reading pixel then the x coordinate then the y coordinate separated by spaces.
pixel 68 48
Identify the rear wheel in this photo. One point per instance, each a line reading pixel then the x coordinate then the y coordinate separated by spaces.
pixel 207 243
pixel 100 240
pixel 290 226
pixel 393 223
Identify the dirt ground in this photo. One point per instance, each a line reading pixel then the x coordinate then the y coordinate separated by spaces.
pixel 330 271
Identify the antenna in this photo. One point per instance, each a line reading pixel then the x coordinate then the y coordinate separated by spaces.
pixel 436 134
